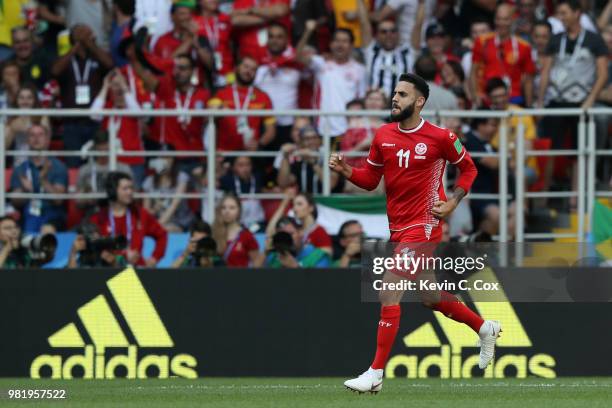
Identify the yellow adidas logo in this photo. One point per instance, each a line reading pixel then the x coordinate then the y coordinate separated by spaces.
pixel 451 363
pixel 105 332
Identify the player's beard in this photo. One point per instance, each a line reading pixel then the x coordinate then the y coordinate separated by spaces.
pixel 404 113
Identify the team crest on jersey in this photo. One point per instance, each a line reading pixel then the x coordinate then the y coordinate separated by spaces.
pixel 420 148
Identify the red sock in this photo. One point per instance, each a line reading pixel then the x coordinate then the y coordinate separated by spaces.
pixel 387 330
pixel 452 308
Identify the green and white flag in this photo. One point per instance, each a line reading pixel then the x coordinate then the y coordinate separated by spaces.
pixel 602 228
pixel 370 211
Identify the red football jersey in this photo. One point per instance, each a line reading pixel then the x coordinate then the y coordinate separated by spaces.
pixel 413 162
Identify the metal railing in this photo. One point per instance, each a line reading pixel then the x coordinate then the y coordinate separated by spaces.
pixel 586 154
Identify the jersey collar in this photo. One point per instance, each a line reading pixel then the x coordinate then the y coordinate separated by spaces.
pixel 414 129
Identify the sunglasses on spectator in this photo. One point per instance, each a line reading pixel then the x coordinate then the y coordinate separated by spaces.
pixel 388 31
pixel 183 67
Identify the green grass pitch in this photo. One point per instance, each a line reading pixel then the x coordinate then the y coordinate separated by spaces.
pixel 317 392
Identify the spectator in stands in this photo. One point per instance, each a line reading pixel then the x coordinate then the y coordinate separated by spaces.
pixel 12 17
pixel 526 19
pixel 81 72
pixel 33 63
pixel 604 137
pixel 478 27
pixel 250 19
pixel 485 212
pixel 12 255
pixel 540 37
pixel 504 55
pixel 385 57
pixel 10 80
pixel 574 71
pixel 452 75
pixel 497 92
pixel 302 164
pixel 236 244
pixel 52 21
pixel 361 129
pixel 242 179
pixel 16 128
pixel 36 175
pixel 405 11
pixel 305 210
pixel 92 175
pixel 346 16
pixel 123 10
pixel 172 212
pixel 340 79
pixel 123 217
pixel 201 250
pixel 244 132
pixel 96 14
pixel 438 43
pixel 183 133
pixel 216 27
pixel 279 77
pixel 304 10
pixel 288 249
pixel 116 94
pixel 350 236
pixel 200 181
pixel 440 98
pixel 184 39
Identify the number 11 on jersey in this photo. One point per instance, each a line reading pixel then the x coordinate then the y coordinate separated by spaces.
pixel 404 157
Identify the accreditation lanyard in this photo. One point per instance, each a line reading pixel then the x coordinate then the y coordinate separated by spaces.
pixel 128 224
pixel 212 32
pixel 184 119
pixel 563 47
pixel 84 78
pixel 245 104
pixel 132 80
pixel 239 187
pixel 231 246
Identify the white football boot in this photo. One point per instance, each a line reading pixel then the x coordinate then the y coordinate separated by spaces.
pixel 489 332
pixel 370 381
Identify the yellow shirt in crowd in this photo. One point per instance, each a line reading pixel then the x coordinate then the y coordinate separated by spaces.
pixel 11 16
pixel 530 134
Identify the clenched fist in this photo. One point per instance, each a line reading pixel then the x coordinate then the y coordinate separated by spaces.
pixel 338 164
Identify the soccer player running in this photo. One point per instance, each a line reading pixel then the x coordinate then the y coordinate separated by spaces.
pixel 411 153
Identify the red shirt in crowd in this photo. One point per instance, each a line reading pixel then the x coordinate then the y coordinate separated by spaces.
pixel 183 133
pixel 252 41
pixel 228 135
pixel 237 251
pixel 509 59
pixel 317 237
pixel 137 86
pixel 129 133
pixel 218 31
pixel 142 224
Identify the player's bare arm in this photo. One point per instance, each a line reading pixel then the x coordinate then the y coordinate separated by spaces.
pixel 443 209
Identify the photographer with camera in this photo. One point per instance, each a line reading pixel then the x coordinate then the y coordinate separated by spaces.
pixel 29 251
pixel 122 217
pixel 288 250
pixel 12 255
pixel 201 250
pixel 89 249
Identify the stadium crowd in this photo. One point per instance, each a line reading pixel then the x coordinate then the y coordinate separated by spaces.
pixel 334 55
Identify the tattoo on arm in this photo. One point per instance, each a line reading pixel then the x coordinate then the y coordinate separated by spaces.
pixel 458 194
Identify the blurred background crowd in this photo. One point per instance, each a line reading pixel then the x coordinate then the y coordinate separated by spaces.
pixel 331 55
